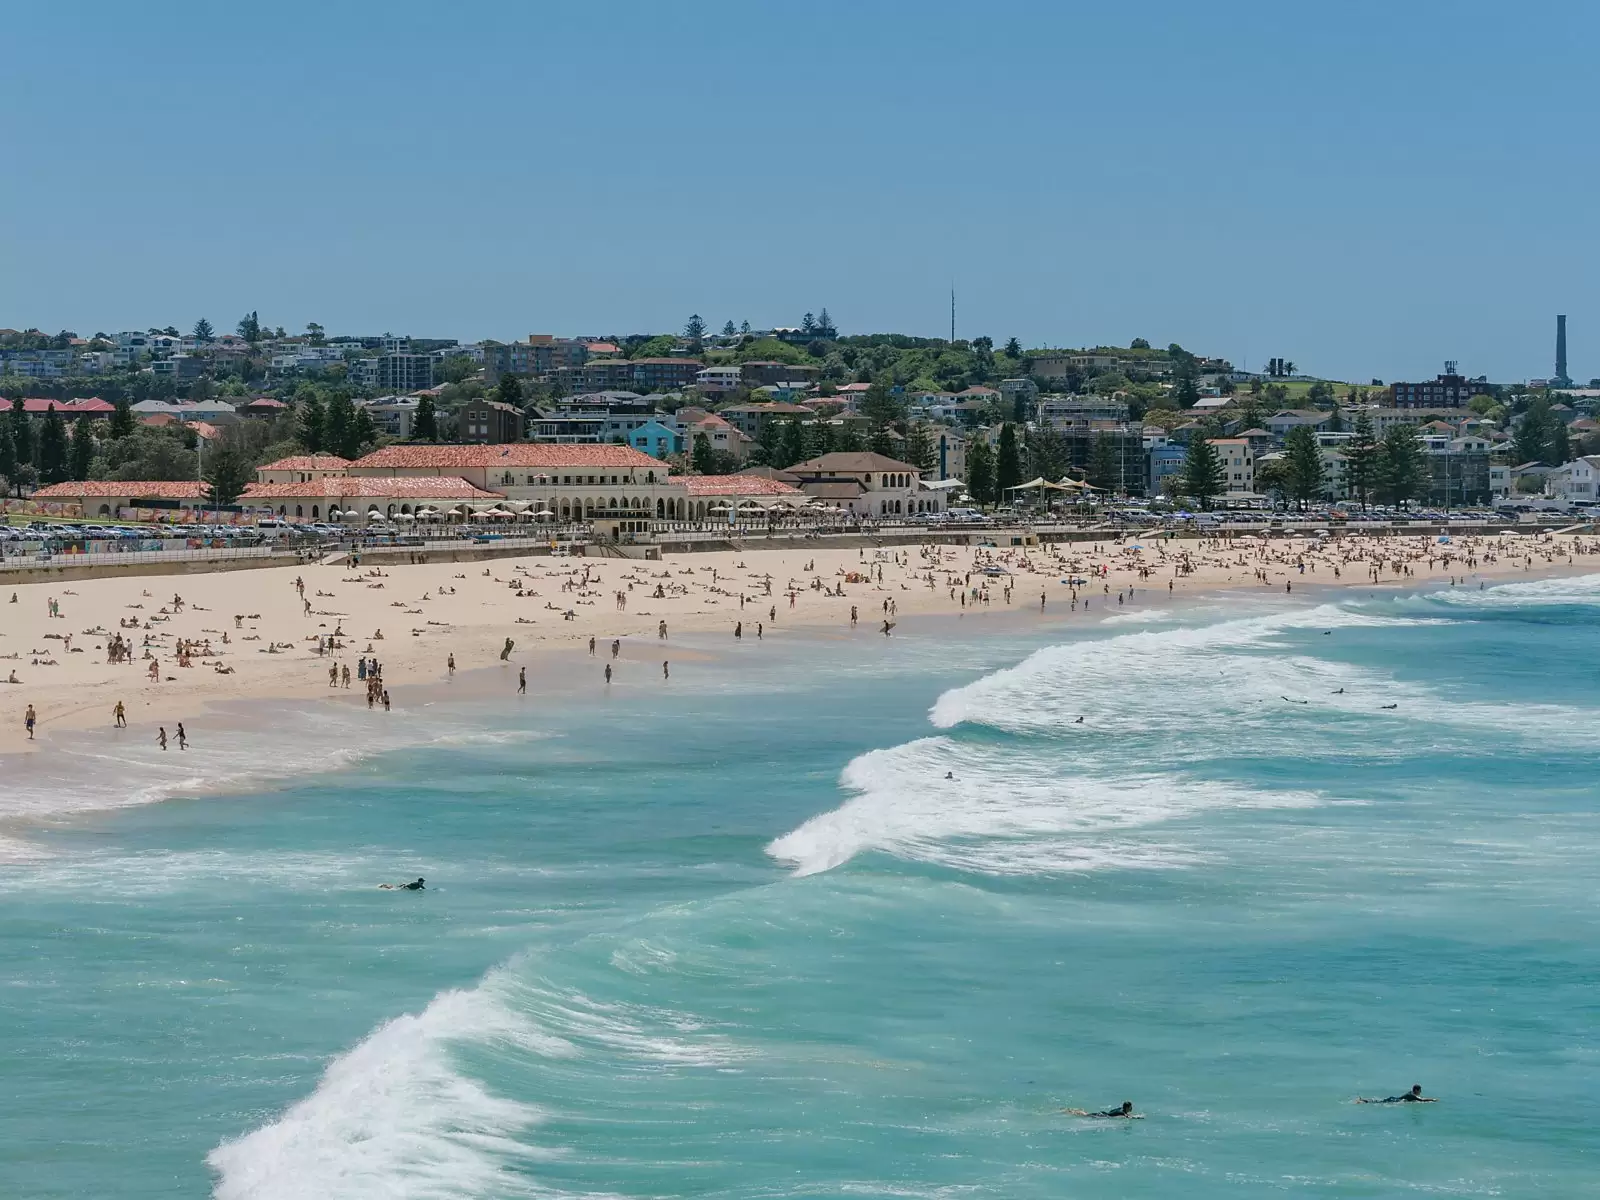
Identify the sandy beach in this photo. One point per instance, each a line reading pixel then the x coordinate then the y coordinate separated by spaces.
pixel 277 632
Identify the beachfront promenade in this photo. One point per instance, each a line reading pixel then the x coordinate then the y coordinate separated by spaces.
pixel 30 558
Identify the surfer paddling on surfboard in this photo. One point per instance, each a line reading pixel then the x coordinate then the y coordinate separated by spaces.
pixel 1124 1110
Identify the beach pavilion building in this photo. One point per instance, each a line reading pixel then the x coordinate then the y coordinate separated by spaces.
pixel 867 484
pixel 570 482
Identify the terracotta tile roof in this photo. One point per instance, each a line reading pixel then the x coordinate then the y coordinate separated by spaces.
pixel 516 454
pixel 93 405
pixel 336 487
pixel 851 462
pixel 178 489
pixel 307 462
pixel 734 485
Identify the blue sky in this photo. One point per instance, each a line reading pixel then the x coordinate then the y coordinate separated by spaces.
pixel 1366 188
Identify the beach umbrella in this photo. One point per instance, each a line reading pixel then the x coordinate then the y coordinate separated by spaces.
pixel 404 517
pixel 720 508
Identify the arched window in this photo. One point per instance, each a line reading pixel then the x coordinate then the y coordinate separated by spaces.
pixel 649 476
pixel 298 511
pixel 105 510
pixel 316 512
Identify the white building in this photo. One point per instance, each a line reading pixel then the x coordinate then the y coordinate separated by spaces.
pixel 1238 463
pixel 1576 482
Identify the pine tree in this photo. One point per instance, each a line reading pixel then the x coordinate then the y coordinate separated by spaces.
pixel 1013 348
pixel 1203 474
pixel 80 453
pixel 919 448
pixel 1361 459
pixel 879 442
pixel 249 328
pixel 1402 465
pixel 8 454
pixel 53 461
pixel 1103 472
pixel 122 419
pixel 313 420
pixel 1531 441
pixel 848 440
pixel 227 475
pixel 695 330
pixel 363 433
pixel 700 460
pixel 21 431
pixel 425 425
pixel 980 471
pixel 729 331
pixel 339 426
pixel 819 439
pixel 792 445
pixel 203 331
pixel 1305 465
pixel 1007 464
pixel 825 325
pixel 1186 393
pixel 509 391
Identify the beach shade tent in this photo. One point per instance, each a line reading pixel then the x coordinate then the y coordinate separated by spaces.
pixel 720 508
pixel 754 504
pixel 540 514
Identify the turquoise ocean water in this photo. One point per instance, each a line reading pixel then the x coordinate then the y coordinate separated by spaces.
pixel 737 935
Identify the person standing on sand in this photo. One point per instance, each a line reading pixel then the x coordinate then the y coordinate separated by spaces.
pixel 29 718
pixel 345 672
pixel 120 716
pixel 591 647
pixel 450 665
pixel 522 682
pixel 505 651
pixel 161 736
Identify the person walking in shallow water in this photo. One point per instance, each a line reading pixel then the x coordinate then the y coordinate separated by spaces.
pixel 120 715
pixel 161 736
pixel 522 681
pixel 183 738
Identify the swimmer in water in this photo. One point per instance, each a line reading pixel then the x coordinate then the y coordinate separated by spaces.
pixel 1414 1096
pixel 1125 1110
pixel 404 887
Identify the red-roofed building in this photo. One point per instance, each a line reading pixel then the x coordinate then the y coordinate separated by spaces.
pixel 261 406
pixel 573 481
pixel 93 407
pixel 302 468
pixel 715 497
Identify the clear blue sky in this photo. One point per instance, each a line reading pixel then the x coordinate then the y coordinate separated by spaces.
pixel 1366 188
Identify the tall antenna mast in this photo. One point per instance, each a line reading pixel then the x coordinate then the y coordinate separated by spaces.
pixel 952 314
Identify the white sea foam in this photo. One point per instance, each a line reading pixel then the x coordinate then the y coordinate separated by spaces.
pixel 394 1119
pixel 1125 682
pixel 1003 813
pixel 397 1117
pixel 1580 589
